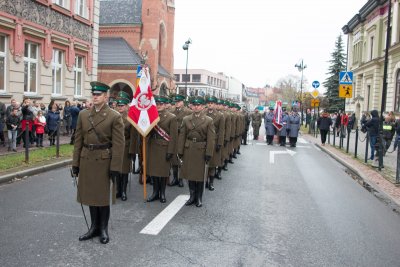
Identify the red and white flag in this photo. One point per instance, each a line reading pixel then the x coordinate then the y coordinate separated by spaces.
pixel 143 112
pixel 277 121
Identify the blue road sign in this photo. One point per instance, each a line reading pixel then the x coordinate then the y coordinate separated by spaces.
pixel 315 84
pixel 346 77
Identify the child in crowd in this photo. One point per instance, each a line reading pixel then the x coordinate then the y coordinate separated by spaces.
pixel 40 123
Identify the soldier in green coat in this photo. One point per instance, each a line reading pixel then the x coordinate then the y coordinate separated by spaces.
pixel 196 145
pixel 162 147
pixel 256 119
pixel 97 159
pixel 122 101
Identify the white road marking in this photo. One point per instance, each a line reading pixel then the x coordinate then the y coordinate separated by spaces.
pixel 273 153
pixel 161 220
pixel 261 144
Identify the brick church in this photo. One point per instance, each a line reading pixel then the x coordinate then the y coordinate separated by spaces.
pixel 133 31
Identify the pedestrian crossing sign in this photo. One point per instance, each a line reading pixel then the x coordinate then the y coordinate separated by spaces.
pixel 346 90
pixel 346 77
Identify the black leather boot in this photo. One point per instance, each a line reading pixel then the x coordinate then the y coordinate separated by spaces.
pixel 180 183
pixel 218 173
pixel 175 181
pixel 163 184
pixel 211 183
pixel 199 193
pixel 238 151
pixel 124 184
pixel 225 167
pixel 119 186
pixel 230 159
pixel 234 154
pixel 192 191
pixel 94 227
pixel 156 189
pixel 104 217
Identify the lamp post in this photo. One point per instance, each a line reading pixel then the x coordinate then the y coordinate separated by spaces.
pixel 186 47
pixel 300 67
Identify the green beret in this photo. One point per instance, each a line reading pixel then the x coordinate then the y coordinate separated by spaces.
pixel 211 99
pixel 178 97
pixel 197 100
pixel 161 99
pixel 98 87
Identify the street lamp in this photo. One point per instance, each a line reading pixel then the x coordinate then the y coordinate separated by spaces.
pixel 300 67
pixel 186 47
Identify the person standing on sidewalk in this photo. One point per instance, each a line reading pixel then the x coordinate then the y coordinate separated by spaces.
pixel 67 120
pixel 12 122
pixel 324 123
pixel 52 119
pixel 372 126
pixel 74 118
pixel 97 159
pixel 40 123
pixel 3 112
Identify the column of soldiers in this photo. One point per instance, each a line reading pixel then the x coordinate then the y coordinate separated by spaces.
pixel 197 144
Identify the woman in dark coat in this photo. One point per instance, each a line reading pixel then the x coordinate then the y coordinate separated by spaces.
pixel 324 123
pixel 373 130
pixel 52 119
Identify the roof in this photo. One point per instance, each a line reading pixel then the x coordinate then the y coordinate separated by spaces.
pixel 116 51
pixel 120 12
pixel 163 72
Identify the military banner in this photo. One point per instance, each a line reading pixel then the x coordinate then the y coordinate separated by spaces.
pixel 143 112
pixel 277 121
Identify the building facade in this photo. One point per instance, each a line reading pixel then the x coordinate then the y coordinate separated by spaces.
pixel 133 32
pixel 367 32
pixel 48 49
pixel 201 82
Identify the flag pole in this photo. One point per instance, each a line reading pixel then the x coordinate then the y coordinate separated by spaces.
pixel 144 168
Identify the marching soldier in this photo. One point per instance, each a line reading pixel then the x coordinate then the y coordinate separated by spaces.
pixel 97 159
pixel 180 111
pixel 122 102
pixel 269 127
pixel 294 127
pixel 196 145
pixel 256 118
pixel 283 130
pixel 162 147
pixel 219 124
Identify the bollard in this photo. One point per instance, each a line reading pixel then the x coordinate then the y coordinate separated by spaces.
pixel 340 137
pixel 398 167
pixel 348 140
pixel 366 147
pixel 329 137
pixel 356 145
pixel 27 142
pixel 58 140
pixel 334 136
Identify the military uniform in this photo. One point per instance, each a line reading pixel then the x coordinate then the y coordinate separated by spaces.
pixel 161 147
pixel 269 127
pixel 256 118
pixel 294 127
pixel 219 124
pixel 283 131
pixel 227 138
pixel 196 145
pixel 97 156
pixel 247 120
pixel 233 132
pixel 180 113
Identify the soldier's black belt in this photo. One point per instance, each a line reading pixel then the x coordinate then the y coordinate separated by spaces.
pixel 195 140
pixel 97 146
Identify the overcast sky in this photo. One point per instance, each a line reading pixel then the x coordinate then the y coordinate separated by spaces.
pixel 260 41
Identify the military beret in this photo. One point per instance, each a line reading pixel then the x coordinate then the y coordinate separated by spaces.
pixel 161 99
pixel 211 99
pixel 197 100
pixel 98 87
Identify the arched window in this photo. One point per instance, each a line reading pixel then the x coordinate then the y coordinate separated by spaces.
pixel 397 93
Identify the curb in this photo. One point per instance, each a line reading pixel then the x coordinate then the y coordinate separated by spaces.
pixel 32 171
pixel 376 190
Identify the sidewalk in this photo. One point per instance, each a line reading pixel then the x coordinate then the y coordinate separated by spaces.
pixel 367 175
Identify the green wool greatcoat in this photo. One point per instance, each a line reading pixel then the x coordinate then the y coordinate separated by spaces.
pixel 158 147
pixel 95 165
pixel 227 135
pixel 180 113
pixel 219 125
pixel 127 162
pixel 200 127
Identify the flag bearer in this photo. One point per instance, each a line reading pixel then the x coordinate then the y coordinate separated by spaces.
pixel 269 127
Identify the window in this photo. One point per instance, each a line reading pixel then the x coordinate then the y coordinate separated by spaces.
pixel 80 8
pixel 196 78
pixel 78 70
pixel 397 93
pixel 2 63
pixel 185 77
pixel 57 64
pixel 30 67
pixel 371 48
pixel 177 77
pixel 59 2
pixel 368 97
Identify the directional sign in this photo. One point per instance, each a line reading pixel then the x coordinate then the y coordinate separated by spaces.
pixel 314 102
pixel 346 90
pixel 315 93
pixel 346 77
pixel 315 84
pixel 273 153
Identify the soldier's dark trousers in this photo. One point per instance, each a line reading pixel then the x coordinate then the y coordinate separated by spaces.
pixel 119 186
pixel 104 217
pixel 230 159
pixel 211 183
pixel 175 180
pixel 95 224
pixel 218 173
pixel 225 167
pixel 244 138
pixel 156 190
pixel 234 154
pixel 199 194
pixel 124 184
pixel 282 140
pixel 293 141
pixel 192 191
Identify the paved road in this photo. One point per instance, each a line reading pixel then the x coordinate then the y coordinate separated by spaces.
pixel 301 209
